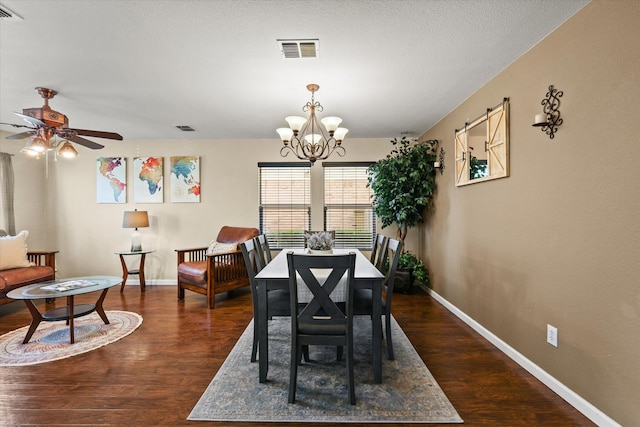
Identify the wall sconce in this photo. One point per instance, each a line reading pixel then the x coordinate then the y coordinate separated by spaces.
pixel 550 119
pixel 439 164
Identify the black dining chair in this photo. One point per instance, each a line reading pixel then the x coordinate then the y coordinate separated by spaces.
pixel 379 253
pixel 264 251
pixel 321 321
pixel 277 299
pixel 363 298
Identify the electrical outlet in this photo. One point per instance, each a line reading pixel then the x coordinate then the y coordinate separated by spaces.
pixel 552 335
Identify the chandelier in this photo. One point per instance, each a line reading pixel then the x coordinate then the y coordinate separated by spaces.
pixel 306 139
pixel 42 142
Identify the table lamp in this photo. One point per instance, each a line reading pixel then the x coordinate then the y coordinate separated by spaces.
pixel 135 219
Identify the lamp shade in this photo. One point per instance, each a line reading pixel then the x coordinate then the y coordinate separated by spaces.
pixel 135 219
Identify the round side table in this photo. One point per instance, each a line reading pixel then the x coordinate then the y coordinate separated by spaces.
pixel 139 271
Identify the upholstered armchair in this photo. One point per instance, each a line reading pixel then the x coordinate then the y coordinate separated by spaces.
pixel 216 268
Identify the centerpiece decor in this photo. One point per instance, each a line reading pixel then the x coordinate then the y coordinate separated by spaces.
pixel 320 242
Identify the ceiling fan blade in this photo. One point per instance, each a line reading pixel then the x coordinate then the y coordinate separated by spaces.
pixel 85 142
pixel 97 134
pixel 31 120
pixel 22 135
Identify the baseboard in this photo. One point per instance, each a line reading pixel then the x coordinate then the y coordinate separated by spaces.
pixel 575 400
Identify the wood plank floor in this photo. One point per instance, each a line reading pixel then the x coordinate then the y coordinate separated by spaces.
pixel 156 375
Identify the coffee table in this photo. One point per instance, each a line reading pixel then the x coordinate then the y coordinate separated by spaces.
pixel 85 285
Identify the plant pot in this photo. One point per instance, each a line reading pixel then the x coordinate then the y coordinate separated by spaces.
pixel 320 251
pixel 403 281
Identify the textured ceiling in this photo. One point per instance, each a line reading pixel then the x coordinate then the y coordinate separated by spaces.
pixel 140 67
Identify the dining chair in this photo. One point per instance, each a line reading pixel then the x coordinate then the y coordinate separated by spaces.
pixel 363 298
pixel 321 320
pixel 379 253
pixel 264 251
pixel 277 299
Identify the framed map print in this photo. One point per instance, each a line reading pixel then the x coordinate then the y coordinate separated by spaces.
pixel 148 179
pixel 185 179
pixel 111 180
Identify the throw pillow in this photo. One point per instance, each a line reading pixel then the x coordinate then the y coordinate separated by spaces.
pixel 13 251
pixel 217 247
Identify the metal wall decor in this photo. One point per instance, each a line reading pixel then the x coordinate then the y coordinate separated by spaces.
pixel 550 119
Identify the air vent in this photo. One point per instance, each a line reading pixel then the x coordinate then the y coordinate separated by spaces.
pixel 7 15
pixel 294 49
pixel 185 128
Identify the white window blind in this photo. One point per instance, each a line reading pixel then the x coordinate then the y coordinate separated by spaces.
pixel 347 205
pixel 285 203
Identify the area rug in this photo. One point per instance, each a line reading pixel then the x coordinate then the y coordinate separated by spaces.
pixel 51 339
pixel 408 393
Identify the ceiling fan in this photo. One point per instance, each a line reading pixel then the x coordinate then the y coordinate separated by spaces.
pixel 44 123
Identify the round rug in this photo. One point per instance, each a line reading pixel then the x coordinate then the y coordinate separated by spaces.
pixel 51 339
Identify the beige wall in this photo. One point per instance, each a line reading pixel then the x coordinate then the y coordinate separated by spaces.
pixel 58 206
pixel 557 242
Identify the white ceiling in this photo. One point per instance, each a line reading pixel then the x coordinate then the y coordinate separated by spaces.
pixel 140 67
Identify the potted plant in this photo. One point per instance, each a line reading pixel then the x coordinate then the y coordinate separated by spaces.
pixel 320 242
pixel 403 184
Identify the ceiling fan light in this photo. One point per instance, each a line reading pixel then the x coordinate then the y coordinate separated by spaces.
pixel 331 123
pixel 67 150
pixel 340 133
pixel 296 122
pixel 285 134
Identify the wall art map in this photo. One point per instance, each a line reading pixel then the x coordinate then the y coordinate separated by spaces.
pixel 111 181
pixel 185 179
pixel 148 184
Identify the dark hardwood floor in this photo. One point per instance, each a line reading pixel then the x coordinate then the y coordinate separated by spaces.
pixel 157 374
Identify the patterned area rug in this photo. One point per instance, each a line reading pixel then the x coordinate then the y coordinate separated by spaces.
pixel 408 393
pixel 51 339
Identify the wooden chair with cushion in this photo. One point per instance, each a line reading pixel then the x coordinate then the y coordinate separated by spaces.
pixel 321 321
pixel 379 253
pixel 363 298
pixel 219 267
pixel 277 299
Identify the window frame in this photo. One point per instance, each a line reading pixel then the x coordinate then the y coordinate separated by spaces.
pixel 342 240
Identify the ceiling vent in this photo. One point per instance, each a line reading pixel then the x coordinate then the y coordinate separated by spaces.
pixel 185 128
pixel 294 49
pixel 7 15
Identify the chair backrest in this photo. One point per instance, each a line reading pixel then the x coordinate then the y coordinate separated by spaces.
pixel 379 253
pixel 230 234
pixel 394 249
pixel 332 232
pixel 264 251
pixel 321 313
pixel 252 260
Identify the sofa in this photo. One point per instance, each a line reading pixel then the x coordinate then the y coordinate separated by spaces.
pixel 20 267
pixel 218 267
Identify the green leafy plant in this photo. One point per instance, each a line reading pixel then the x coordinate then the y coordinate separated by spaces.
pixel 410 261
pixel 403 184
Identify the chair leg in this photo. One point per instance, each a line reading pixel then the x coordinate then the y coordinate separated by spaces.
pixel 305 353
pixel 350 374
pixel 180 291
pixel 387 330
pixel 254 348
pixel 293 371
pixel 339 353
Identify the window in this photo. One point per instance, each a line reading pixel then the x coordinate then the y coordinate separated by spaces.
pixel 285 203
pixel 347 205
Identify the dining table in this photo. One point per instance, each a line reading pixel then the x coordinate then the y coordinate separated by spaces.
pixel 275 275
